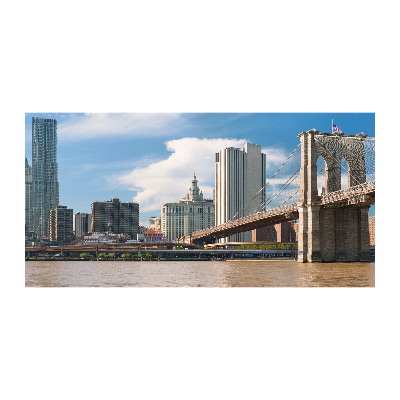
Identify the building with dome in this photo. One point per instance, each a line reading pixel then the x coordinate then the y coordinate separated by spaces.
pixel 190 214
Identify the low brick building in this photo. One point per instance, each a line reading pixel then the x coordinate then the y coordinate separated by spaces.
pixel 285 232
pixel 372 231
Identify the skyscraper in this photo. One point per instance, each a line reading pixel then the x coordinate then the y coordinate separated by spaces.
pixel 61 225
pixel 83 224
pixel 115 217
pixel 28 198
pixel 239 176
pixel 44 173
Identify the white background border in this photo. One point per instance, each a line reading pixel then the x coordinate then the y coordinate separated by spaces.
pixel 181 56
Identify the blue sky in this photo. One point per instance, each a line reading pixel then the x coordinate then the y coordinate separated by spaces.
pixel 151 158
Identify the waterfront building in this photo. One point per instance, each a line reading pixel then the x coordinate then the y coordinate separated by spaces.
pixel 372 231
pixel 61 225
pixel 83 224
pixel 191 213
pixel 44 173
pixel 154 223
pixel 154 235
pixel 28 198
pixel 140 236
pixel 239 175
pixel 99 238
pixel 264 234
pixel 115 217
pixel 286 232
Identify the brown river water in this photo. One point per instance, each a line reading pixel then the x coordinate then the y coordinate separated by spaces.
pixel 276 273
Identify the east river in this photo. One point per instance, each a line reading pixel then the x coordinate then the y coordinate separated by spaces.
pixel 276 273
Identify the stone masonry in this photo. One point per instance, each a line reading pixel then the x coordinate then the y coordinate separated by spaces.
pixel 329 234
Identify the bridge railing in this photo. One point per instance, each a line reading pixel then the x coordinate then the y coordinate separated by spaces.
pixel 278 211
pixel 351 194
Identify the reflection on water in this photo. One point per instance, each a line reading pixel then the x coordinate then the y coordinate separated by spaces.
pixel 197 274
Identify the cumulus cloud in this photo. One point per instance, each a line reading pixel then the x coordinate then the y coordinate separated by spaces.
pixel 275 155
pixel 168 180
pixel 97 125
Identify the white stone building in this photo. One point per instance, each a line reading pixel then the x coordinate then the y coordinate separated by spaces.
pixel 190 214
pixel 239 176
pixel 154 223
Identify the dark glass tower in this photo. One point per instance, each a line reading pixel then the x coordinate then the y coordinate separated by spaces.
pixel 44 173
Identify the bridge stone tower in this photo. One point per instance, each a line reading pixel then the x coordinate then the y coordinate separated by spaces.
pixel 329 234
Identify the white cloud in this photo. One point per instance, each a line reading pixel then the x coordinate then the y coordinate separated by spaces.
pixel 98 125
pixel 169 180
pixel 274 156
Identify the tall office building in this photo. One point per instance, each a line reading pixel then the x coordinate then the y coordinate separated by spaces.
pixel 28 198
pixel 83 224
pixel 239 176
pixel 44 173
pixel 191 213
pixel 115 217
pixel 61 219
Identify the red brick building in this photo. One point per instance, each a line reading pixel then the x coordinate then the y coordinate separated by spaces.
pixel 285 232
pixel 372 231
pixel 153 235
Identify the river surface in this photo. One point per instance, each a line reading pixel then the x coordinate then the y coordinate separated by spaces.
pixel 276 273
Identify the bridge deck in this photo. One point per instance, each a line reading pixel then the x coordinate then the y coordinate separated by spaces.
pixel 361 195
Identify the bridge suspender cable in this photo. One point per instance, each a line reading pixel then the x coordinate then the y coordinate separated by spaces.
pixel 266 183
pixel 283 187
pixel 297 191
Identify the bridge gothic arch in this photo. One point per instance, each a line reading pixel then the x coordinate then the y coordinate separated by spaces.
pixel 333 149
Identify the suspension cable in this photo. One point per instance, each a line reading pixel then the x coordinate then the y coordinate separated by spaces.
pixel 276 193
pixel 283 187
pixel 297 191
pixel 266 183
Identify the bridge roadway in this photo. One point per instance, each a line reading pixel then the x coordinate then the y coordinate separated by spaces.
pixel 360 195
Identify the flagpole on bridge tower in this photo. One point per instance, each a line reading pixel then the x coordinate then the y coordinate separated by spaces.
pixel 332 125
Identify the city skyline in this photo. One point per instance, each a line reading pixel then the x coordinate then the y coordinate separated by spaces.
pixel 150 158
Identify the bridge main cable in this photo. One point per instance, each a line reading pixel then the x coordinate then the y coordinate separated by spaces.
pixel 266 183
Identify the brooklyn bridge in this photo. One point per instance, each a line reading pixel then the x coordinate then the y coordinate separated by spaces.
pixel 333 219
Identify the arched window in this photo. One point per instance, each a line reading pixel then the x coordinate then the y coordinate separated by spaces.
pixel 344 178
pixel 321 176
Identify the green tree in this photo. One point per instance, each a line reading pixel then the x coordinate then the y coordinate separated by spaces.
pixel 85 256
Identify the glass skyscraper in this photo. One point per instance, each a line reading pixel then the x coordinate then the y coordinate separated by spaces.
pixel 28 198
pixel 44 173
